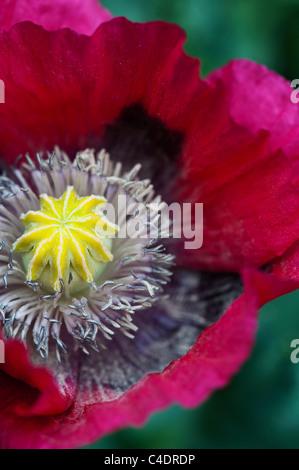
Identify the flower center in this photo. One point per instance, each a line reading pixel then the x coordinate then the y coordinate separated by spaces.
pixel 75 289
pixel 68 239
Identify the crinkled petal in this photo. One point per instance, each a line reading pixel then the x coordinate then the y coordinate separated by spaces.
pixel 287 265
pixel 251 218
pixel 64 89
pixel 244 180
pixel 29 395
pixel 82 16
pixel 49 396
pixel 261 99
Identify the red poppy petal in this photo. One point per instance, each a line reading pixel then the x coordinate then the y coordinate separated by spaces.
pixel 64 89
pixel 287 265
pixel 43 395
pixel 83 17
pixel 227 164
pixel 251 218
pixel 217 355
pixel 261 99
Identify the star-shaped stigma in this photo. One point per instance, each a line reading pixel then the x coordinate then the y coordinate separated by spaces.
pixel 67 235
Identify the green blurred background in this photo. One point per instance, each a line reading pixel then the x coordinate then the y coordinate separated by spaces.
pixel 260 408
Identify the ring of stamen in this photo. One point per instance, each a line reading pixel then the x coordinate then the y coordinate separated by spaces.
pixel 131 281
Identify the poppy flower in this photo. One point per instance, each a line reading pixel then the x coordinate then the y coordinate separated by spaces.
pixel 101 331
